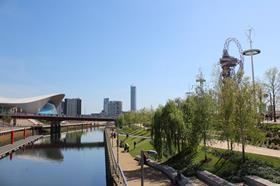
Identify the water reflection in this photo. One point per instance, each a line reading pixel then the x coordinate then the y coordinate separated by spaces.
pixel 47 162
pixel 50 149
pixel 41 154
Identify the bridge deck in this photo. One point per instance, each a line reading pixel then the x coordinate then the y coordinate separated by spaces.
pixel 5 150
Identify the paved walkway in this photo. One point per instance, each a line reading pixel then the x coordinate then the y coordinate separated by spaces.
pixel 237 147
pixel 132 171
pixel 248 148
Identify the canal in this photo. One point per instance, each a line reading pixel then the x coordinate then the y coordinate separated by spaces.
pixel 75 159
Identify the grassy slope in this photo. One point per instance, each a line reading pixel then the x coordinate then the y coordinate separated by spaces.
pixel 221 168
pixel 136 132
pixel 142 144
pixel 274 161
pixel 231 169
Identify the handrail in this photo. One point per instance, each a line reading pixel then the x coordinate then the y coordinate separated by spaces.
pixel 115 167
pixel 14 129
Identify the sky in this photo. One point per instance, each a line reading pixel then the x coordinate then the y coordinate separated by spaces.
pixel 96 49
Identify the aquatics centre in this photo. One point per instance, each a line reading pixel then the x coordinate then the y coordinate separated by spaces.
pixel 35 105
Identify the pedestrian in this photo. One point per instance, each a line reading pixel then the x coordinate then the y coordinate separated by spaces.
pixel 145 158
pixel 114 135
pixel 134 143
pixel 126 147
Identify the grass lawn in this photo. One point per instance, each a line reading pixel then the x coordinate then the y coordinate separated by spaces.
pixel 142 144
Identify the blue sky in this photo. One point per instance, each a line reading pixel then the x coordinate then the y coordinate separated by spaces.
pixel 95 49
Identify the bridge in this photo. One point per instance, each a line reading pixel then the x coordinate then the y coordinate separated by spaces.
pixel 55 125
pixel 57 118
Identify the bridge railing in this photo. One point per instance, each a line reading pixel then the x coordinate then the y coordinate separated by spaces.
pixel 115 169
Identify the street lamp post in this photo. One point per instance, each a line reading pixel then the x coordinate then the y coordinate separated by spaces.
pixel 251 52
pixel 142 170
pixel 149 152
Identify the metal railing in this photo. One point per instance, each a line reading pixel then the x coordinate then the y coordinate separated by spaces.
pixel 115 169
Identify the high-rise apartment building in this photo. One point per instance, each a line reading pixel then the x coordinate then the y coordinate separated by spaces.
pixel 73 107
pixel 133 98
pixel 106 106
pixel 114 108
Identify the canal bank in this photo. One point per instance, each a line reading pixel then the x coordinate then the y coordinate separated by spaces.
pixel 125 168
pixel 18 133
pixel 114 173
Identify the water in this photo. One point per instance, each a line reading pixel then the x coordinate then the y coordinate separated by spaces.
pixel 52 164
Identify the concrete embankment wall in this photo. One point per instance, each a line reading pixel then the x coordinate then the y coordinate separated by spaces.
pixel 108 159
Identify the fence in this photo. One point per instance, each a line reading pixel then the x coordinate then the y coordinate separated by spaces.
pixel 114 169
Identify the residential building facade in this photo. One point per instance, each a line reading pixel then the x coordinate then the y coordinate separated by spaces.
pixel 73 106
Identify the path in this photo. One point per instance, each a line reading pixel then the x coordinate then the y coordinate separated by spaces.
pixel 237 147
pixel 132 171
pixel 248 148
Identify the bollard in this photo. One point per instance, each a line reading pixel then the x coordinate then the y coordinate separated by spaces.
pixel 12 136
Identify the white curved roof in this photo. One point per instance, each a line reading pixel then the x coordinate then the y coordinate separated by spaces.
pixel 33 104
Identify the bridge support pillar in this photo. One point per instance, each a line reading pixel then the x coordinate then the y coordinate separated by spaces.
pixel 55 131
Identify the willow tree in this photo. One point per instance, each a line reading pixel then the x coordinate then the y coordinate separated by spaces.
pixel 168 129
pixel 172 124
pixel 157 133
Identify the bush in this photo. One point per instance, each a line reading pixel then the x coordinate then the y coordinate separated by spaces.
pixel 261 169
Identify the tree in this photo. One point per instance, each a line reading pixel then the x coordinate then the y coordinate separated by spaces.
pixel 168 129
pixel 203 113
pixel 225 109
pixel 172 123
pixel 245 116
pixel 120 121
pixel 192 132
pixel 272 82
pixel 143 116
pixel 157 133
